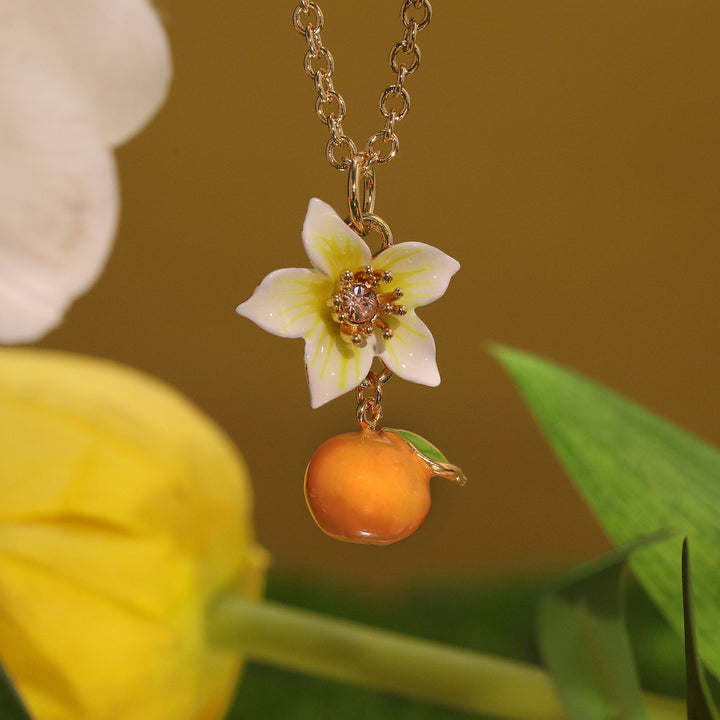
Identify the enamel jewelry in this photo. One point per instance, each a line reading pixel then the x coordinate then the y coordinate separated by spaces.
pixel 355 308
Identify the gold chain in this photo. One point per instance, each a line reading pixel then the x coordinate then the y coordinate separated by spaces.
pixel 369 395
pixel 394 103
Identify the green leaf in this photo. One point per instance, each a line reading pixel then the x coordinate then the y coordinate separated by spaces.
pixel 699 701
pixel 11 707
pixel 421 444
pixel 585 644
pixel 432 456
pixel 639 473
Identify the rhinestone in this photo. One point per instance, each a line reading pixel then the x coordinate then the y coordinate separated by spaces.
pixel 359 304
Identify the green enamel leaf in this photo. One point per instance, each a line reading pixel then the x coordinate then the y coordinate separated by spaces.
pixel 428 452
pixel 699 701
pixel 423 446
pixel 584 640
pixel 639 473
pixel 11 707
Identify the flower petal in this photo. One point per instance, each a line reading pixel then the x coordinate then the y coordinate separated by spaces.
pixel 125 512
pixel 422 271
pixel 58 197
pixel 330 244
pixel 288 302
pixel 333 365
pixel 410 353
pixel 114 52
pixel 75 77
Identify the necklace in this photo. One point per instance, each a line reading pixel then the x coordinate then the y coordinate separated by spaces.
pixel 370 486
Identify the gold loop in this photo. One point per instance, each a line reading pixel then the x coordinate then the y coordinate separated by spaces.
pixel 422 23
pixel 395 92
pixel 361 190
pixel 327 68
pixel 304 9
pixel 332 98
pixel 323 84
pixel 337 142
pixel 389 129
pixel 410 36
pixel 312 38
pixel 372 379
pixel 374 222
pixel 399 48
pixel 369 408
pixel 319 65
pixel 386 374
pixel 369 414
pixel 375 155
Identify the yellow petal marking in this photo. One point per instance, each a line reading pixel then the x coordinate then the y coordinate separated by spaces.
pixel 318 344
pixel 331 345
pixel 407 328
pixel 344 370
pixel 295 318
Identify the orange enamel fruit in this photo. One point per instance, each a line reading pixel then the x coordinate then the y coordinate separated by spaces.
pixel 368 487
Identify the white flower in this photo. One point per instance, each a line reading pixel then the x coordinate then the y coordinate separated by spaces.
pixel 77 77
pixel 347 306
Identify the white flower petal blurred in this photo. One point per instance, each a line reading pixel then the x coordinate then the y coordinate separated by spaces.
pixel 77 77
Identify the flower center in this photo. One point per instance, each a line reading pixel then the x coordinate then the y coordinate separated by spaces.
pixel 358 307
pixel 360 304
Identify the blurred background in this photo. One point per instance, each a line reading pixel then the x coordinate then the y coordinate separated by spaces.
pixel 565 151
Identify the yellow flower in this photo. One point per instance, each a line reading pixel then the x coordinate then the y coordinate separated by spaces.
pixel 124 512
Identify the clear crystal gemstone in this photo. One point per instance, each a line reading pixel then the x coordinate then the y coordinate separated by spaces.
pixel 359 304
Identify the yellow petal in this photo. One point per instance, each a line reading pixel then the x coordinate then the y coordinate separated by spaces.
pixel 334 366
pixel 422 271
pixel 330 244
pixel 288 302
pixel 125 512
pixel 410 353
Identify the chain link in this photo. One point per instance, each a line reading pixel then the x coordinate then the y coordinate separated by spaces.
pixel 369 394
pixel 394 103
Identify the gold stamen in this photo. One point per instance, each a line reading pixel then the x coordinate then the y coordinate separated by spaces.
pixel 355 297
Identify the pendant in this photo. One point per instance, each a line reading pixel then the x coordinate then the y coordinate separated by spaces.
pixel 373 486
pixel 351 307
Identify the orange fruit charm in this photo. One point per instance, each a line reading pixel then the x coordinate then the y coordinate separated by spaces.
pixel 370 486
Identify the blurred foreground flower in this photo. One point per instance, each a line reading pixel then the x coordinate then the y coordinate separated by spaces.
pixel 77 78
pixel 125 514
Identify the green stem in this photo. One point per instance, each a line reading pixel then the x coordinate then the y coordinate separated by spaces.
pixel 340 650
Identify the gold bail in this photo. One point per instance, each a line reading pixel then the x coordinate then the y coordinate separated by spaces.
pixel 361 191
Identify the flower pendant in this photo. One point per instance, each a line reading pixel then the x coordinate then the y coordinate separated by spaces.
pixel 352 307
pixel 346 307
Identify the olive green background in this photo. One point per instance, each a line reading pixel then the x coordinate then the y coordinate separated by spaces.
pixel 566 152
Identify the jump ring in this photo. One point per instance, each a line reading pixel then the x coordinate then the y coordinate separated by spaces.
pixel 374 222
pixel 361 190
